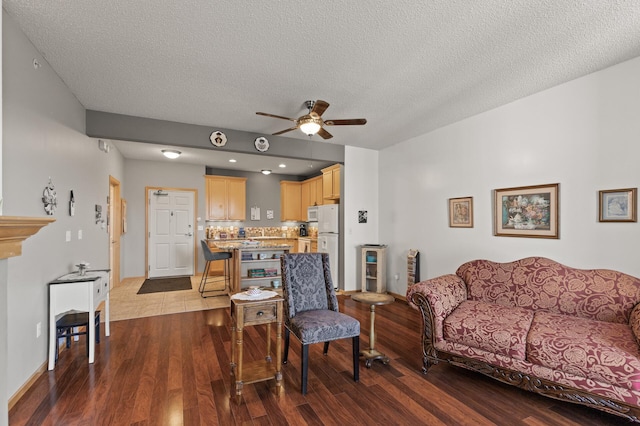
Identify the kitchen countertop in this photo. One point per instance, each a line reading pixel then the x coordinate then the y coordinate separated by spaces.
pixel 231 245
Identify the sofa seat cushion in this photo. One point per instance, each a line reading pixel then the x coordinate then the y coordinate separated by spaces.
pixel 494 328
pixel 599 350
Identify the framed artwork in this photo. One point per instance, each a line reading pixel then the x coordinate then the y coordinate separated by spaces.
pixel 461 212
pixel 618 205
pixel 527 211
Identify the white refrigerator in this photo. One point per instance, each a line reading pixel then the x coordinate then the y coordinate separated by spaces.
pixel 328 241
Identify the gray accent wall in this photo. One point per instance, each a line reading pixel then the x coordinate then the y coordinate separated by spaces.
pixel 138 129
pixel 141 174
pixel 44 137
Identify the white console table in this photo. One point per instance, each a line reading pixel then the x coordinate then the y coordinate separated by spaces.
pixel 81 293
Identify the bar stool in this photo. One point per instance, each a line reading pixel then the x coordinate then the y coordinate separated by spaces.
pixel 67 325
pixel 224 279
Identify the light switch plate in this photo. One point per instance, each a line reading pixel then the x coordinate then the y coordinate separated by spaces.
pixel 67 237
pixel 79 234
pixel 200 228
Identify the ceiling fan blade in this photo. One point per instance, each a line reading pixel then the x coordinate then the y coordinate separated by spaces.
pixel 324 134
pixel 275 116
pixel 285 131
pixel 319 107
pixel 347 122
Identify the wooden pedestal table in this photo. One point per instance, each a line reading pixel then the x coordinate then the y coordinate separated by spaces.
pixel 246 311
pixel 373 299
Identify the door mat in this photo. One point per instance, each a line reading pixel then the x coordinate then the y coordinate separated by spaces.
pixel 159 285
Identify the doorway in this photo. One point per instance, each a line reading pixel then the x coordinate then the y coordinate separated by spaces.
pixel 114 223
pixel 170 243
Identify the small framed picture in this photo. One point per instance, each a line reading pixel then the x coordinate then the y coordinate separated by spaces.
pixel 527 211
pixel 618 205
pixel 362 216
pixel 461 212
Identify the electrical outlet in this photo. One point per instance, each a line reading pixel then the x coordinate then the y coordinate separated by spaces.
pixel 38 329
pixel 79 234
pixel 397 277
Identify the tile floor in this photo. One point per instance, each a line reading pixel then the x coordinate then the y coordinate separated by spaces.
pixel 127 304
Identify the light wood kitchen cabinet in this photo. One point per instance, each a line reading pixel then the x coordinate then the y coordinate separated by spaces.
pixel 226 197
pixel 315 191
pixel 305 198
pixel 290 201
pixel 331 182
pixel 314 246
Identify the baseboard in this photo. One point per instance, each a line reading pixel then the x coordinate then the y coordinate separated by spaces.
pixel 27 385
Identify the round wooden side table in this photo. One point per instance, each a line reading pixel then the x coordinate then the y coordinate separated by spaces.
pixel 373 299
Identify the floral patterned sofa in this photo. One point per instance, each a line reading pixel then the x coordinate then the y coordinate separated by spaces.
pixel 567 333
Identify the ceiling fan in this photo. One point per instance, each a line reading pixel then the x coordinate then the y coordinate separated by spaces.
pixel 312 123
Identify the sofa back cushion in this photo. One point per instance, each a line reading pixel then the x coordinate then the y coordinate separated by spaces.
pixel 539 283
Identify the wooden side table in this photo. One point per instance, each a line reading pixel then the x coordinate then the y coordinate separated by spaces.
pixel 255 312
pixel 373 299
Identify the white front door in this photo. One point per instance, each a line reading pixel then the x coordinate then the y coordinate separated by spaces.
pixel 171 234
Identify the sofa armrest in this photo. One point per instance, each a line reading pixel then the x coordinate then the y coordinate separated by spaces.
pixel 436 298
pixel 634 322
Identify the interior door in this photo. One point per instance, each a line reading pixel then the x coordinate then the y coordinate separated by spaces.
pixel 171 233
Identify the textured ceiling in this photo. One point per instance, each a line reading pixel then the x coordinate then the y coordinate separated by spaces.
pixel 408 67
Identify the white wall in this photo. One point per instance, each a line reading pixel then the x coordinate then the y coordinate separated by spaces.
pixel 44 136
pixel 140 174
pixel 360 183
pixel 4 415
pixel 584 134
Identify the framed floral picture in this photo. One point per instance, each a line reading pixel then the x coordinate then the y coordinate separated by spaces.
pixel 527 211
pixel 461 212
pixel 618 205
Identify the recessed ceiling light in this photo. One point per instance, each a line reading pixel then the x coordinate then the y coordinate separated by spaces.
pixel 282 166
pixel 232 160
pixel 171 153
pixel 265 172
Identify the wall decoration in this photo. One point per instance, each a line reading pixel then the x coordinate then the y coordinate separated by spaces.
pixel 72 204
pixel 123 204
pixel 261 144
pixel 99 214
pixel 218 138
pixel 618 205
pixel 527 211
pixel 362 216
pixel 255 213
pixel 461 212
pixel 50 198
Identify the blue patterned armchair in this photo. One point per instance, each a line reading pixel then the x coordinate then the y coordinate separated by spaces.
pixel 311 308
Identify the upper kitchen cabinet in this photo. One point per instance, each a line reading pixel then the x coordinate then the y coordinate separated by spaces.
pixel 315 191
pixel 226 197
pixel 331 183
pixel 290 201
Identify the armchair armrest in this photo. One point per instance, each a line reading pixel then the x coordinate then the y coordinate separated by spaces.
pixel 634 322
pixel 436 298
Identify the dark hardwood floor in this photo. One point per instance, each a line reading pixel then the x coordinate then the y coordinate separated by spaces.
pixel 174 369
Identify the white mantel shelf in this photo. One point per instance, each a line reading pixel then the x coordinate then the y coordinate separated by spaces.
pixel 15 229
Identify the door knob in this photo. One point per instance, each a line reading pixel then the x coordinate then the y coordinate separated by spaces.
pixel 189 234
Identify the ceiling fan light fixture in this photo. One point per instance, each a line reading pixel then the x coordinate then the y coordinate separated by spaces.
pixel 309 125
pixel 171 153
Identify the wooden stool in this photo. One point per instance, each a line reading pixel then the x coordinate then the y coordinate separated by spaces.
pixel 66 325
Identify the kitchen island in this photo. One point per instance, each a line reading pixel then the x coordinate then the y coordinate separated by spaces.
pixel 254 263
